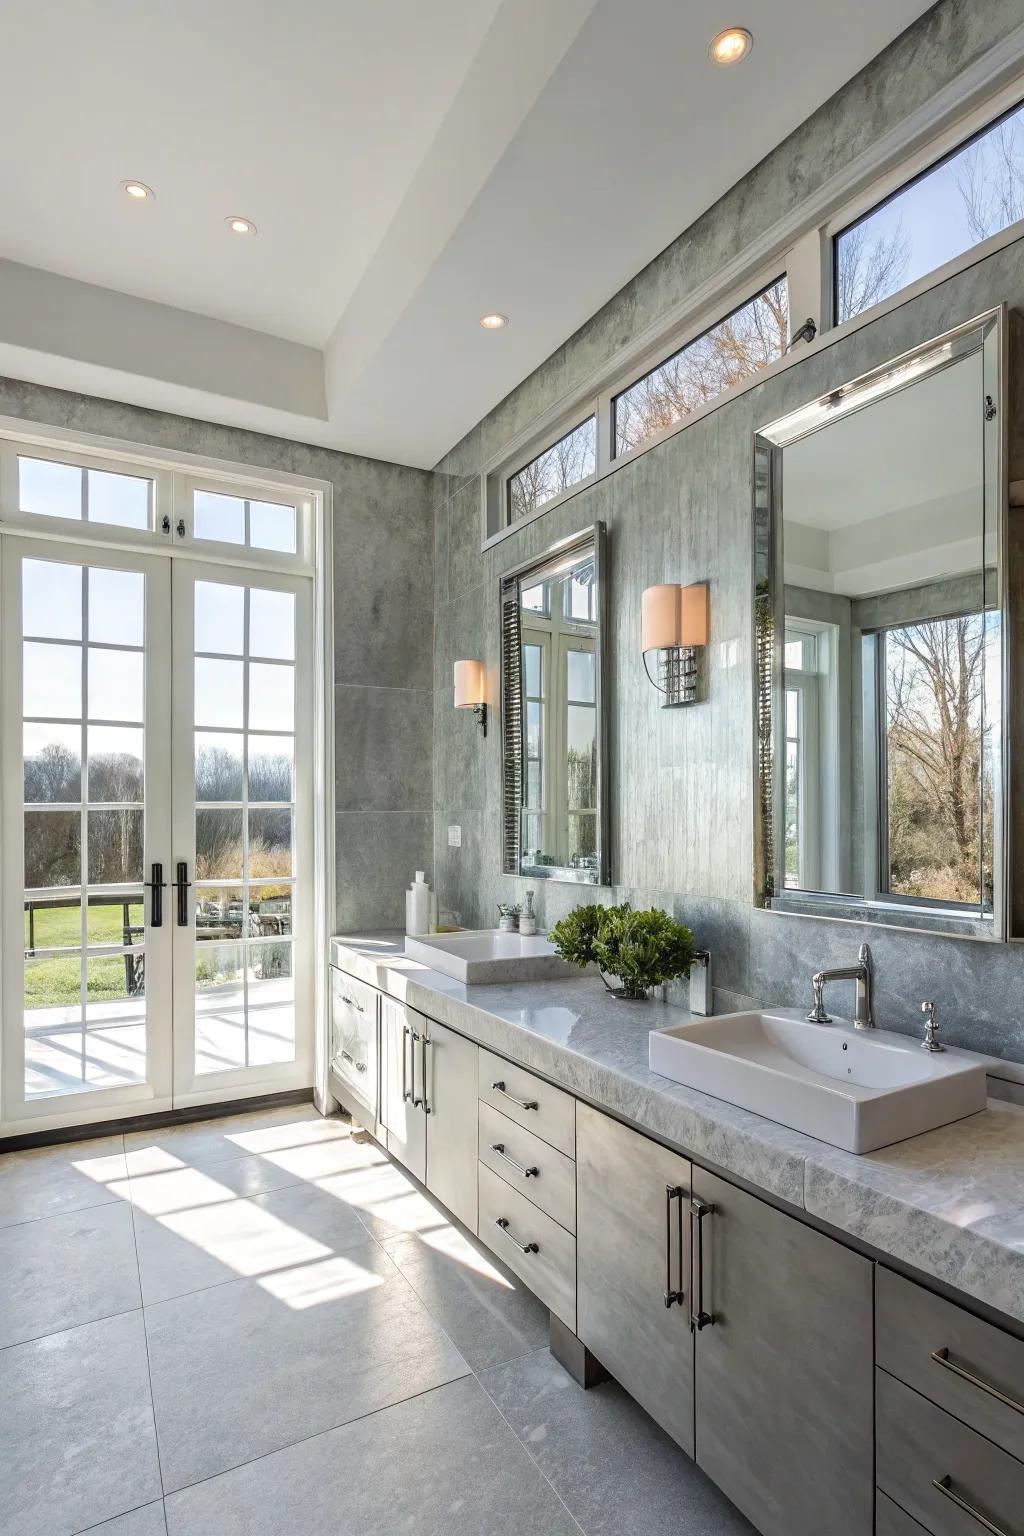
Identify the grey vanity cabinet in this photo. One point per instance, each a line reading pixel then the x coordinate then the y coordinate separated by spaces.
pixel 449 1084
pixel 402 1030
pixel 784 1390
pixel 632 1226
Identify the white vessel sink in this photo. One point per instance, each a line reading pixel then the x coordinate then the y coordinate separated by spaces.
pixel 485 955
pixel 857 1089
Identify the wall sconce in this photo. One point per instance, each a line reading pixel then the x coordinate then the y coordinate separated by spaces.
pixel 470 691
pixel 674 622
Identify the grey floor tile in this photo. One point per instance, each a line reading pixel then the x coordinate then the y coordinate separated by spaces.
pixel 187 1188
pixel 249 1367
pixel 148 1521
pixel 202 1143
pixel 444 1464
pixel 49 1180
pixel 190 1248
pixel 615 1469
pixel 389 1202
pixel 62 1271
pixel 78 1439
pixel 484 1308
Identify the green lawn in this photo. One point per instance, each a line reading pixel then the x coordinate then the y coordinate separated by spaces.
pixel 54 981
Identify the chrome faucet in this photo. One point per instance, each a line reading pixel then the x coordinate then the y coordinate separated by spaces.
pixel 863 1017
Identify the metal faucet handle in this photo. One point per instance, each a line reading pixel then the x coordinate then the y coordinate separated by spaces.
pixel 931 1029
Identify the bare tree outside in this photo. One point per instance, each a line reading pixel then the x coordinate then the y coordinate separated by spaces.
pixel 564 464
pixel 868 268
pixel 747 341
pixel 991 179
pixel 939 837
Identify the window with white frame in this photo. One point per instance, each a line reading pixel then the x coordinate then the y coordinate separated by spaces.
pixel 565 464
pixel 974 192
pixel 746 341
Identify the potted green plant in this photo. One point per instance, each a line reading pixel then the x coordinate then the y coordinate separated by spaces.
pixel 643 949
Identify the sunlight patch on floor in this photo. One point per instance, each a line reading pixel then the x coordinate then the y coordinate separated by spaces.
pixel 248 1239
pixel 313 1284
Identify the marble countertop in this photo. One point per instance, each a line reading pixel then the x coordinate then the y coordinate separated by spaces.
pixel 950 1203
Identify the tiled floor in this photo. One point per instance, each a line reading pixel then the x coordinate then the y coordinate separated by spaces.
pixel 259 1326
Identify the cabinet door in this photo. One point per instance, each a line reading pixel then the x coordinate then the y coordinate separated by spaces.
pixel 632 1244
pixel 402 1088
pixel 784 1404
pixel 450 1086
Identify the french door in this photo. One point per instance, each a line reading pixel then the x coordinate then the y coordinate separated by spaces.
pixel 156 832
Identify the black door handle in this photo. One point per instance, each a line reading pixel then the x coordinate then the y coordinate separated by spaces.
pixel 182 885
pixel 156 888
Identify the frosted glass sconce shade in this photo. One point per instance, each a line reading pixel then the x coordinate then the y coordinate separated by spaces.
pixel 674 623
pixel 470 691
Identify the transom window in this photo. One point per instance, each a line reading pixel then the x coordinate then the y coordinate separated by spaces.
pixel 973 193
pixel 566 463
pixel 50 488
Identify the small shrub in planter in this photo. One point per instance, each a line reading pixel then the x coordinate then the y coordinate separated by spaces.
pixel 643 949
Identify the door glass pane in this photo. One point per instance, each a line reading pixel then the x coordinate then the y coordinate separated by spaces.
pixel 115 763
pixel 53 923
pixel 51 599
pixel 270 910
pixel 218 845
pixel 581 676
pixel 271 697
pixel 115 920
pixel 115 685
pixel 53 762
pixel 52 680
pixel 115 1020
pixel 49 489
pixel 117 607
pixel 220 618
pixel 271 1003
pixel 219 765
pixel 220 1008
pixel 219 517
pixel 270 844
pixel 220 913
pixel 218 697
pixel 272 624
pixel 115 847
pixel 122 500
pixel 53 848
pixel 271 767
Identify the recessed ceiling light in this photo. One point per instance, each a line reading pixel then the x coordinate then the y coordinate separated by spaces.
pixel 240 226
pixel 138 190
pixel 731 45
pixel 493 322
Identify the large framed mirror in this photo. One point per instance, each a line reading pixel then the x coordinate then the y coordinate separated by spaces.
pixel 553 721
pixel 879 573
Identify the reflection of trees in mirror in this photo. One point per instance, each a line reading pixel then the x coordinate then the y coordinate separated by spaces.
pixel 582 777
pixel 940 842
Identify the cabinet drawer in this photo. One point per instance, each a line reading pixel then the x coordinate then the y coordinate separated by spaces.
pixel 890 1520
pixel 547 1111
pixel 549 1267
pixel 548 1178
pixel 919 1446
pixel 968 1367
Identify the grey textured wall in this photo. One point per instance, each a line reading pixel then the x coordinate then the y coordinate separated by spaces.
pixel 383 618
pixel 682 781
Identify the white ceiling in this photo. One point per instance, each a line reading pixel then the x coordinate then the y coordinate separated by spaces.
pixel 408 166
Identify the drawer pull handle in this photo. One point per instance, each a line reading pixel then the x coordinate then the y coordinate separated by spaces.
pixel 941 1357
pixel 945 1487
pixel 527 1173
pixel 351 1003
pixel 360 1066
pixel 523 1103
pixel 502 1222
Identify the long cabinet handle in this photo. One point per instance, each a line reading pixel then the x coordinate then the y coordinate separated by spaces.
pixel 527 1173
pixel 406 1095
pixel 424 1042
pixel 672 1295
pixel 499 1087
pixel 945 1487
pixel 414 1035
pixel 699 1317
pixel 941 1357
pixel 502 1222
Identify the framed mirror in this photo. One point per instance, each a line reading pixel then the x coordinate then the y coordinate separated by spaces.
pixel 553 722
pixel 879 634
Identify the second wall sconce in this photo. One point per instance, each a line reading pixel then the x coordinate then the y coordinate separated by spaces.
pixel 470 690
pixel 674 623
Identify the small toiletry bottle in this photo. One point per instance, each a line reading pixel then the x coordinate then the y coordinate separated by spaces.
pixel 433 912
pixel 528 918
pixel 417 906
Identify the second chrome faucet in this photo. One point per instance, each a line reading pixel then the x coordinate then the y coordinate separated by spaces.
pixel 864 1017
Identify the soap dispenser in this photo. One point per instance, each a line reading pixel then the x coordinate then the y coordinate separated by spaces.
pixel 417 906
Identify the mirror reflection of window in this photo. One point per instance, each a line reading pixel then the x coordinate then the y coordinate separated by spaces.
pixel 884 774
pixel 558 625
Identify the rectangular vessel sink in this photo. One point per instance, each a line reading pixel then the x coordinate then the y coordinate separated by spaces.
pixel 485 955
pixel 856 1089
